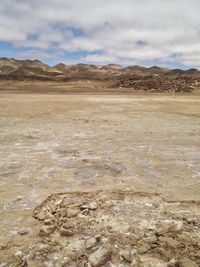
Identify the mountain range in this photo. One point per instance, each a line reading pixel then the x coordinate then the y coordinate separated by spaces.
pixel 112 75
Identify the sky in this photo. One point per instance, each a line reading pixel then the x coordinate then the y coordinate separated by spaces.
pixel 126 32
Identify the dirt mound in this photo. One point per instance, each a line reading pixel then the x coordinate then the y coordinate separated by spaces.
pixel 114 228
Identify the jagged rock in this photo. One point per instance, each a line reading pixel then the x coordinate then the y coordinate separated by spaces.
pixel 100 256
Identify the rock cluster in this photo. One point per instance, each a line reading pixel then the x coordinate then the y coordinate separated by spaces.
pixel 162 83
pixel 114 229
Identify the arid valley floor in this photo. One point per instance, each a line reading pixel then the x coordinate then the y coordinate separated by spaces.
pixel 128 168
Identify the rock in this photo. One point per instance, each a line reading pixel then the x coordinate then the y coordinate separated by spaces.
pixel 172 263
pixel 72 212
pixel 19 198
pixel 100 256
pixel 186 262
pixel 93 206
pixel 115 257
pixel 91 242
pixel 170 242
pixel 40 216
pixel 48 221
pixel 33 263
pixel 66 232
pixel 152 239
pixel 85 212
pixel 179 227
pixel 3 246
pixel 45 231
pixel 126 255
pixel 98 238
pixel 18 253
pixel 164 228
pixel 68 224
pixel 191 220
pixel 23 231
pixel 64 212
pixel 143 248
pixel 150 261
pixel 135 263
pixel 67 228
pixel 70 255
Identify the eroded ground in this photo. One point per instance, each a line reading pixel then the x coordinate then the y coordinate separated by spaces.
pixel 147 145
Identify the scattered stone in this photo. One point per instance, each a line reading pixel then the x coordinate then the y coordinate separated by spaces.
pixel 91 242
pixel 117 234
pixel 100 256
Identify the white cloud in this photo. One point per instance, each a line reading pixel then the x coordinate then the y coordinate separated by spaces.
pixel 126 32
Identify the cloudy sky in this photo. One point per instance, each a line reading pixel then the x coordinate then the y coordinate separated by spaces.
pixel 127 32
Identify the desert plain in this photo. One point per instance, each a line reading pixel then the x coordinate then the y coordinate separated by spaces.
pixel 127 166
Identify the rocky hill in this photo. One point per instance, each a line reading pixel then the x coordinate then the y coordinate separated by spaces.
pixel 134 78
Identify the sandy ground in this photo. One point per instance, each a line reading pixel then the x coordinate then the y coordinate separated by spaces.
pixel 66 143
